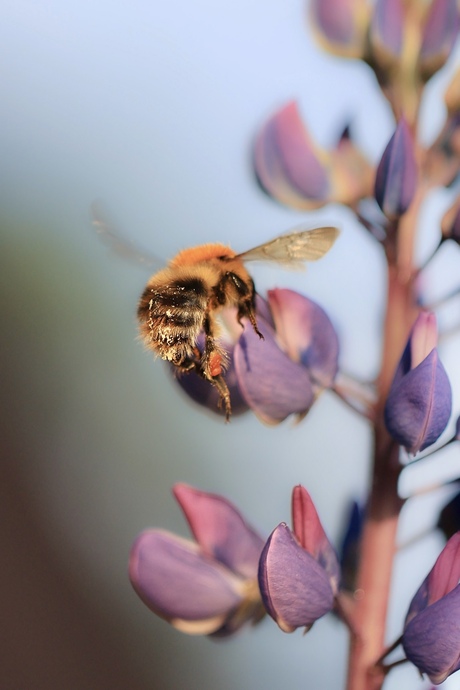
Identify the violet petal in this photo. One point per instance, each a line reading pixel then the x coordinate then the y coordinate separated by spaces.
pixel 220 530
pixel 396 177
pixel 294 587
pixel 176 581
pixel 272 384
pixel 286 162
pixel 419 406
pixel 431 641
pixel 307 334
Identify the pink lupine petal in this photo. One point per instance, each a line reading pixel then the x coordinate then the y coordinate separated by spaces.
pixel 180 584
pixel 306 333
pixel 287 163
pixel 295 589
pixel 423 338
pixel 272 384
pixel 445 575
pixel 220 530
pixel 310 534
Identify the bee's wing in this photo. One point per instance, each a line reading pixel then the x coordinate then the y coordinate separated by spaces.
pixel 294 248
pixel 119 245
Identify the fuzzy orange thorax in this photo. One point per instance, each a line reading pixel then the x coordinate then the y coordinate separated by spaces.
pixel 200 254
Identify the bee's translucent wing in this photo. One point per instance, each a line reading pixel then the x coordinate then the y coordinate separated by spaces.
pixel 119 245
pixel 295 247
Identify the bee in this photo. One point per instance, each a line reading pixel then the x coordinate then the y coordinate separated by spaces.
pixel 182 300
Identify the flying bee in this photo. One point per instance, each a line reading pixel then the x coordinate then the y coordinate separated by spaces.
pixel 183 299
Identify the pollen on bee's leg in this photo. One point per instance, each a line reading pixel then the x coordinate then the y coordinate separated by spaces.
pixel 215 364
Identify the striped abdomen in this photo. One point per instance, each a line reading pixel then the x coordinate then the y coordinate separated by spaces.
pixel 171 316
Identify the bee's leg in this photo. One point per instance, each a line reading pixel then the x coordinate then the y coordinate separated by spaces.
pixel 246 300
pixel 213 363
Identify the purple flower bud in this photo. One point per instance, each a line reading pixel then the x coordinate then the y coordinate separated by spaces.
pixel 431 638
pixel 206 587
pixel 340 25
pixel 396 177
pixel 419 403
pixel 298 571
pixel 297 359
pixel 287 164
pixel 439 36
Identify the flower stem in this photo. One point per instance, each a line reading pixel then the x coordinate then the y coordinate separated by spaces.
pixel 378 546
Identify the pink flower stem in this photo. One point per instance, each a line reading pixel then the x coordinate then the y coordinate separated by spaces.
pixel 378 546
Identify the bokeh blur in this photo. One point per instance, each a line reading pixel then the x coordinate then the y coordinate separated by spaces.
pixel 152 108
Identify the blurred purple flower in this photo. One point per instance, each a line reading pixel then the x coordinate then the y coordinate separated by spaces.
pixel 431 638
pixel 396 176
pixel 204 587
pixel 294 171
pixel 419 403
pixel 386 30
pixel 298 359
pixel 340 25
pixel 439 36
pixel 298 571
pixel 289 167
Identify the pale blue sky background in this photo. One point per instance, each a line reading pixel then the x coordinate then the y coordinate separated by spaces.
pixel 152 108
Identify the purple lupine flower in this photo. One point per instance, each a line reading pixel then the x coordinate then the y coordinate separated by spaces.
pixel 340 25
pixel 439 36
pixel 294 171
pixel 431 638
pixel 298 571
pixel 419 403
pixel 296 360
pixel 204 587
pixel 289 167
pixel 396 177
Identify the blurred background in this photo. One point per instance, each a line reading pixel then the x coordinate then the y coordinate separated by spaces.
pixel 152 108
